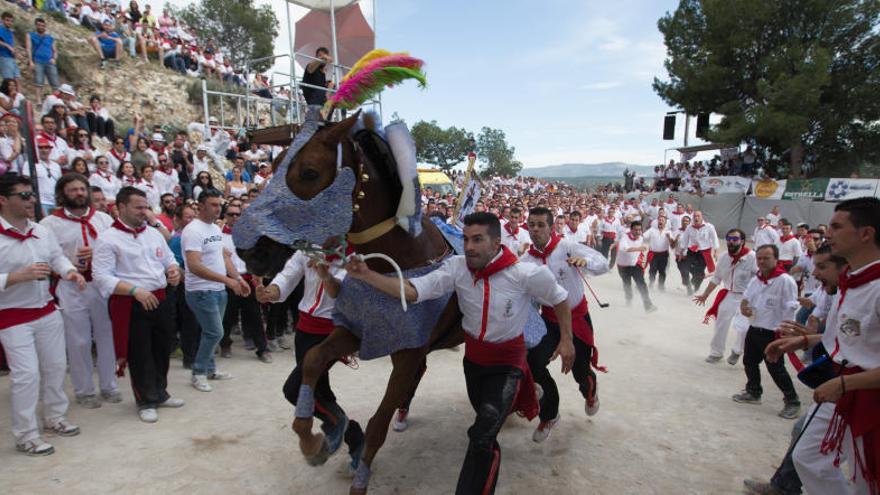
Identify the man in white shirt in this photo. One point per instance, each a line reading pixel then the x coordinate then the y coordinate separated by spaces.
pixel 564 258
pixel 148 186
pixel 659 238
pixel 735 270
pixel 789 246
pixel 765 233
pixel 607 230
pixel 773 217
pixel 513 235
pixel 133 265
pixel 209 271
pixel 31 328
pixel 701 242
pixel 631 258
pixel 77 226
pixel 60 150
pixel 494 292
pixel 769 299
pixel 118 154
pixel 48 173
pixel 575 230
pixel 166 177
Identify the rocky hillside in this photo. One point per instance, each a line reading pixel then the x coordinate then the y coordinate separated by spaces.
pixel 136 86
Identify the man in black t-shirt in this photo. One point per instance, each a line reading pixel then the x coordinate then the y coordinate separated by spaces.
pixel 316 76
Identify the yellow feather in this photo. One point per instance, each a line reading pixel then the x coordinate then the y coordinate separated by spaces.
pixel 367 58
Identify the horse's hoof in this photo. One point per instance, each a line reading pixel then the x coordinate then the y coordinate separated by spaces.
pixel 302 426
pixel 361 479
pixel 321 456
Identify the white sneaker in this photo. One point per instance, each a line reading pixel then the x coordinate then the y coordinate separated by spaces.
pixel 219 375
pixel 200 383
pixel 148 415
pixel 35 448
pixel 172 402
pixel 592 405
pixel 542 432
pixel 400 422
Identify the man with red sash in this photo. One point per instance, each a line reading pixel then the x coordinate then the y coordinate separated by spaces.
pixel 565 259
pixel 494 292
pixel 77 225
pixel 770 299
pixel 846 424
pixel 659 239
pixel 607 230
pixel 313 326
pixel 132 265
pixel 789 246
pixel 514 235
pixel 631 260
pixel 31 328
pixel 701 241
pixel 735 269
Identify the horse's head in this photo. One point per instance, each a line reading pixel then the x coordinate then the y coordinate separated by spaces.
pixel 325 172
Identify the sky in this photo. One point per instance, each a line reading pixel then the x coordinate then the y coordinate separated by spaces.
pixel 568 81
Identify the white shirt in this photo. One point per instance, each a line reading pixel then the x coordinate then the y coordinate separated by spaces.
pixel 735 278
pixel 790 249
pixel 48 174
pixel 773 302
pixel 590 224
pixel 703 238
pixel 116 162
pixel 16 164
pixel 166 182
pixel 810 285
pixel 822 300
pixel 579 235
pixel 610 226
pixel 108 183
pixel 237 262
pixel 207 239
pixel 515 242
pixel 566 275
pixel 199 165
pixel 658 240
pixel 315 301
pixel 151 190
pixel 510 292
pixel 773 219
pixel 856 324
pixel 141 261
pixel 72 235
pixel 765 235
pixel 630 259
pixel 44 248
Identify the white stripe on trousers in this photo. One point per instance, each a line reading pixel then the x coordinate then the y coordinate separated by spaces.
pixel 86 317
pixel 728 312
pixel 815 469
pixel 37 365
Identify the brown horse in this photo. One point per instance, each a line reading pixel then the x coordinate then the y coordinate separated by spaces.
pixel 373 229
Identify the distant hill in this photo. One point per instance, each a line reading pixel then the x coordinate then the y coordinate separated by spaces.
pixel 571 170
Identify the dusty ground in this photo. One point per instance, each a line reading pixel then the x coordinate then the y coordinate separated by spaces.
pixel 666 426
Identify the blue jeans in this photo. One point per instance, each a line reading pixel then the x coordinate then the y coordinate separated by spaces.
pixel 43 72
pixel 52 6
pixel 209 307
pixel 9 68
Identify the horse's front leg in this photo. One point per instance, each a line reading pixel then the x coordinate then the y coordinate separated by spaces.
pixel 317 361
pixel 403 374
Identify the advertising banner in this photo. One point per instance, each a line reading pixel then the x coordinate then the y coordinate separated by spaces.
pixel 806 189
pixel 842 189
pixel 768 188
pixel 726 184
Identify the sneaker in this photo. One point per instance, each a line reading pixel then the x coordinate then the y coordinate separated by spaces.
pixel 62 428
pixel 225 352
pixel 733 358
pixel 272 345
pixel 200 383
pixel 746 397
pixel 650 308
pixel 761 488
pixel 249 344
pixel 113 397
pixel 148 415
pixel 791 410
pixel 35 448
pixel 265 357
pixel 542 432
pixel 713 359
pixel 400 423
pixel 88 401
pixel 103 64
pixel 220 375
pixel 592 406
pixel 172 402
pixel 282 343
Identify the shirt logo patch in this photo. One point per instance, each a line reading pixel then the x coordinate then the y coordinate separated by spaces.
pixel 159 252
pixel 850 327
pixel 508 309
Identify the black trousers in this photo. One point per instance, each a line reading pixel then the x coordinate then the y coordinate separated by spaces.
pixel 189 332
pixel 491 390
pixel 659 263
pixel 605 249
pixel 150 336
pixel 539 358
pixel 696 266
pixel 757 340
pixel 786 479
pixel 248 309
pixel 277 320
pixel 630 274
pixel 685 272
pixel 99 126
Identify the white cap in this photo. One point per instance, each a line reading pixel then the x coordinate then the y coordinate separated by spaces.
pixel 202 147
pixel 67 89
pixel 158 137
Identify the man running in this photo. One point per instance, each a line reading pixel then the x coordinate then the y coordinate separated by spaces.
pixel 631 249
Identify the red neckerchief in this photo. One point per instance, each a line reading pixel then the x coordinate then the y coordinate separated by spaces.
pixel 16 235
pixel 165 171
pixel 548 249
pixel 121 226
pixel 734 259
pixel 779 270
pixel 698 227
pixel 333 257
pixel 630 235
pixel 105 177
pixel 263 175
pixel 506 259
pixel 227 229
pixel 573 231
pixel 786 238
pixel 131 181
pixel 84 220
pixel 848 281
pixel 508 229
pixel 120 158
pixel 47 137
pixel 610 219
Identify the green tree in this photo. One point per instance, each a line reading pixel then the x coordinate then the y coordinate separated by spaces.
pixel 444 148
pixel 796 78
pixel 496 154
pixel 243 30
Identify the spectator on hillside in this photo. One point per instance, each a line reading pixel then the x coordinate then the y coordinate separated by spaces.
pixel 150 43
pixel 12 157
pixel 10 98
pixel 64 95
pixel 8 66
pixel 104 179
pixel 53 6
pixel 59 147
pixel 48 173
pixel 148 18
pixel 173 56
pixel 82 148
pixel 63 121
pixel 108 44
pixel 80 167
pixel 119 154
pixel 239 162
pixel 134 12
pixel 141 155
pixel 130 39
pixel 90 15
pixel 128 176
pixel 73 15
pixel 99 119
pixel 42 57
pixel 237 186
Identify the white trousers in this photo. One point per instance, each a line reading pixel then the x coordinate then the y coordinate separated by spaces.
pixel 37 366
pixel 86 317
pixel 728 312
pixel 815 469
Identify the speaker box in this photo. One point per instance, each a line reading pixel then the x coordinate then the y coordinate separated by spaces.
pixel 702 124
pixel 669 128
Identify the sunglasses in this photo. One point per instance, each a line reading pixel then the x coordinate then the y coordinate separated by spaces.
pixel 103 163
pixel 733 239
pixel 233 214
pixel 25 195
pixel 44 147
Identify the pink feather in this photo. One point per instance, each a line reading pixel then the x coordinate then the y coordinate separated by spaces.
pixel 367 80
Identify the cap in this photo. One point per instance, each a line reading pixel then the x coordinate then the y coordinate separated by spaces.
pixel 44 143
pixel 158 137
pixel 67 89
pixel 202 147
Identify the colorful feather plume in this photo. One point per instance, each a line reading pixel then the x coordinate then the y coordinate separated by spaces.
pixel 365 80
pixel 369 57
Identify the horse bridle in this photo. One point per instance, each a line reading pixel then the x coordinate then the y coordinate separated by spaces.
pixel 361 177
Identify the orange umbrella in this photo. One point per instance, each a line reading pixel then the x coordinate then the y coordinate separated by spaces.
pixel 354 36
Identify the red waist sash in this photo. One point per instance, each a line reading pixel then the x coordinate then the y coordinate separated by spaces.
pixel 19 316
pixel 120 320
pixel 707 257
pixel 510 353
pixel 609 235
pixel 313 324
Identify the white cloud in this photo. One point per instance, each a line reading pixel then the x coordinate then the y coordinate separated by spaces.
pixel 600 86
pixel 614 44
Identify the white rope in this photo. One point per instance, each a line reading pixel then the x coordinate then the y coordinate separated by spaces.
pixel 321 258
